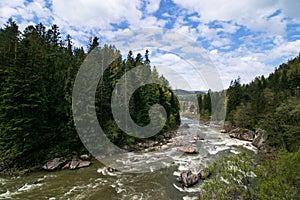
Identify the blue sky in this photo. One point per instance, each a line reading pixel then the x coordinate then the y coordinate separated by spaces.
pixel 220 39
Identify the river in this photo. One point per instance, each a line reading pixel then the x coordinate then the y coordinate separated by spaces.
pixel 157 182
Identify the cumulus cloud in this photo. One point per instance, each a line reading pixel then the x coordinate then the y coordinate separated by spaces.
pixel 152 5
pixel 241 38
pixel 97 14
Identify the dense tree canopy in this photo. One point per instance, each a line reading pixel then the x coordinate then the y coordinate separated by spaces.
pixel 271 103
pixel 37 73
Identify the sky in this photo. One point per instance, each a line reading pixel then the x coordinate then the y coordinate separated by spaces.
pixel 196 44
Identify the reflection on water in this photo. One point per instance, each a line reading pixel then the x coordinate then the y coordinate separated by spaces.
pixel 159 182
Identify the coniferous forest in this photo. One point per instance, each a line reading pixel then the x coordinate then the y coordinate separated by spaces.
pixel 271 103
pixel 37 72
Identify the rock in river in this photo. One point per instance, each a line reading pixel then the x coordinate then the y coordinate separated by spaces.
pixel 242 134
pixel 55 164
pixel 77 163
pixel 188 178
pixel 188 149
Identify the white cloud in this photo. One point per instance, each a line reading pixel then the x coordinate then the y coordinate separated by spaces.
pixel 291 8
pixel 250 13
pixel 262 41
pixel 152 5
pixel 97 14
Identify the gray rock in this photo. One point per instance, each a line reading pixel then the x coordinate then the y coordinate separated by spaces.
pixel 77 163
pixel 74 163
pixel 197 137
pixel 188 149
pixel 84 164
pixel 187 178
pixel 55 164
pixel 84 157
pixel 242 134
pixel 260 138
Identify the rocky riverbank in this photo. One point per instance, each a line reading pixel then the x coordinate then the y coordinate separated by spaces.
pixel 258 138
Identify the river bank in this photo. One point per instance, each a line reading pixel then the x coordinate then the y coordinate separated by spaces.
pixel 141 175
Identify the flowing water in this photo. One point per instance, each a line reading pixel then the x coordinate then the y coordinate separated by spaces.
pixel 150 174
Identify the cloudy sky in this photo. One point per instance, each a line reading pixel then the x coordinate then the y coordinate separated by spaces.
pixel 199 43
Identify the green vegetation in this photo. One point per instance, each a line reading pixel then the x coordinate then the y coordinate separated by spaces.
pixel 239 177
pixel 271 103
pixel 230 177
pixel 37 72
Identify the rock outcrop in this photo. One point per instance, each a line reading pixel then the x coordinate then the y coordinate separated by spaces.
pixel 188 178
pixel 55 164
pixel 242 134
pixel 76 163
pixel 260 138
pixel 188 149
pixel 60 163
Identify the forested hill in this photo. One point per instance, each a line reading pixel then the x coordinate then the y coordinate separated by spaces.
pixel 37 71
pixel 271 103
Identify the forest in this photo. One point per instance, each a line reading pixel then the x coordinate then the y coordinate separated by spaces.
pixel 37 72
pixel 272 104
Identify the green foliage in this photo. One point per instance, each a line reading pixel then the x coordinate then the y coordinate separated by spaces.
pixel 141 100
pixel 279 178
pixel 230 178
pixel 270 103
pixel 239 177
pixel 37 73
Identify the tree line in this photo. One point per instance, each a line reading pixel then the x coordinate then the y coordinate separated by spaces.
pixel 271 103
pixel 37 72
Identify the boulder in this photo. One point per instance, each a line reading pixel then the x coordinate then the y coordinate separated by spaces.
pixel 84 164
pixel 66 166
pixel 260 138
pixel 55 164
pixel 223 131
pixel 77 163
pixel 197 137
pixel 242 134
pixel 188 149
pixel 84 157
pixel 187 178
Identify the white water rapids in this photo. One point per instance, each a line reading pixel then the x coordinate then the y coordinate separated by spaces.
pixel 158 182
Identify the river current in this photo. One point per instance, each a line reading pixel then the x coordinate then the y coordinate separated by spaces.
pixel 149 174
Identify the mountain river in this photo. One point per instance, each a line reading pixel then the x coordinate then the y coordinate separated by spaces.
pixel 157 182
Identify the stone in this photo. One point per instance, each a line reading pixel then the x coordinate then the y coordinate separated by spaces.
pixel 84 157
pixel 223 131
pixel 260 138
pixel 84 164
pixel 187 178
pixel 53 165
pixel 77 163
pixel 242 134
pixel 188 149
pixel 74 163
pixel 197 137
